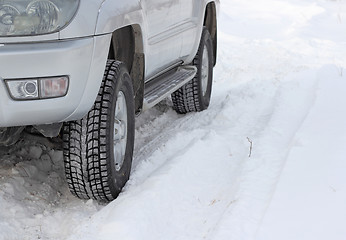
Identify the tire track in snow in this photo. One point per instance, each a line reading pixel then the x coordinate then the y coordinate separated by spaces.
pixel 293 100
pixel 168 125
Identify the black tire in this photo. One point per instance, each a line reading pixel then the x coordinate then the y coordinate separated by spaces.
pixel 90 144
pixel 195 95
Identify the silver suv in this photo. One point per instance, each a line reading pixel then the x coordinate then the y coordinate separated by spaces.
pixel 83 70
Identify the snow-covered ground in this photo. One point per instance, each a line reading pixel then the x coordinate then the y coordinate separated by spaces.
pixel 266 161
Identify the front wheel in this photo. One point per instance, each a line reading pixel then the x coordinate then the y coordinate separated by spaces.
pixel 195 95
pixel 98 149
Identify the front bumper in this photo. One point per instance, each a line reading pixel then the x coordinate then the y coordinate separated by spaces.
pixel 83 60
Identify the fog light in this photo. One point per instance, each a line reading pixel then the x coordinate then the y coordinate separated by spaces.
pixel 53 87
pixel 23 89
pixel 41 88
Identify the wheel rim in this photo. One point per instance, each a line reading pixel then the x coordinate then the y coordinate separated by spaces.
pixel 120 131
pixel 205 70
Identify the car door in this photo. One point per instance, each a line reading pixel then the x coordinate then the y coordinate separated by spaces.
pixel 163 42
pixel 189 15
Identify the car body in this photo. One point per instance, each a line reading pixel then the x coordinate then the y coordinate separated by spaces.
pixel 82 70
pixel 168 32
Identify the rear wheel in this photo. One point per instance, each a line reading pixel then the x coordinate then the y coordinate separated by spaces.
pixel 98 149
pixel 195 95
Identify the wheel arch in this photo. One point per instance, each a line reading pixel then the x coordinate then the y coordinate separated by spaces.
pixel 127 46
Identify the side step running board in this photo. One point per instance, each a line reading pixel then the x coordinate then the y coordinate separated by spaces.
pixel 163 86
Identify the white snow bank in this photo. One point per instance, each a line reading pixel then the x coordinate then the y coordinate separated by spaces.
pixel 309 201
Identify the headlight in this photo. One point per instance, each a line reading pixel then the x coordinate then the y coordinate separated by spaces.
pixel 35 17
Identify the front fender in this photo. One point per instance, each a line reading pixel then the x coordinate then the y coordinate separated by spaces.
pixel 84 23
pixel 115 14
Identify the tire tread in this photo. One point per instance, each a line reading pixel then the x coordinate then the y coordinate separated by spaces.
pixel 85 151
pixel 188 98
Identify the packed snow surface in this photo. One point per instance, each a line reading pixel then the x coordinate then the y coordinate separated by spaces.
pixel 266 161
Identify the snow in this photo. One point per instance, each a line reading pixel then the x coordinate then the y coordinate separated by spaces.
pixel 265 161
pixel 313 179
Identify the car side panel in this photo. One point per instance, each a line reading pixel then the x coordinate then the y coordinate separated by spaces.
pixel 191 13
pixel 163 31
pixel 194 11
